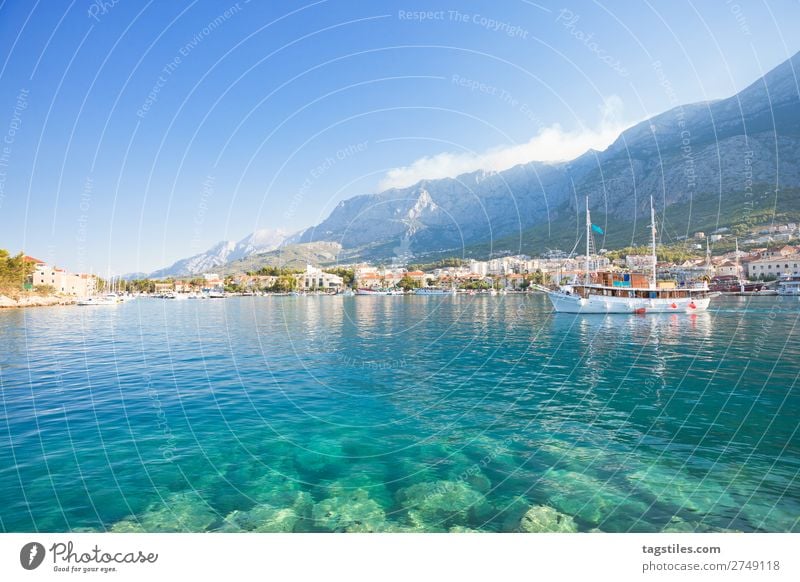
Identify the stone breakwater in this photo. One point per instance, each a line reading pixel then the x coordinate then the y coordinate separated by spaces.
pixel 36 301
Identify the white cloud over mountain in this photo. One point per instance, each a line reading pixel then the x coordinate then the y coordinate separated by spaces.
pixel 551 144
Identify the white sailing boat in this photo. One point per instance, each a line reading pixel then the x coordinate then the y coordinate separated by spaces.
pixel 789 285
pixel 609 292
pixel 107 299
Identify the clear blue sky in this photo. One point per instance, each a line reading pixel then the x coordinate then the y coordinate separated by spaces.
pixel 114 115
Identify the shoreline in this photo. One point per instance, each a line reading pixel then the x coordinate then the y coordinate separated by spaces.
pixel 36 301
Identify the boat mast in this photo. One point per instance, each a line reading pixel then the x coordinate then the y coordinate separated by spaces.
pixel 738 275
pixel 653 277
pixel 588 235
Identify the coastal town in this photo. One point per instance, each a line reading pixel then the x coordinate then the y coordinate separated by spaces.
pixel 756 267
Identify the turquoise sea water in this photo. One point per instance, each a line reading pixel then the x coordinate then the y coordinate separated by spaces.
pixel 398 414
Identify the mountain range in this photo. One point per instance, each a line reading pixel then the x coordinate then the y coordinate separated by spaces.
pixel 726 156
pixel 224 252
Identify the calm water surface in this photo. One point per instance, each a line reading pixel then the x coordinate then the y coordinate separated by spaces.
pixel 397 414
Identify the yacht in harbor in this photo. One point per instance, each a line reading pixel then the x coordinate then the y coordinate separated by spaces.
pixel 370 291
pixel 789 285
pixel 435 291
pixel 107 299
pixel 610 292
pixel 735 284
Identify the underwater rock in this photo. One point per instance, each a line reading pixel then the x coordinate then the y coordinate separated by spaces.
pixel 764 516
pixel 181 512
pixel 592 500
pixel 266 518
pixel 276 489
pixel 127 526
pixel 471 475
pixel 581 459
pixel 345 486
pixel 510 512
pixel 405 472
pixel 679 525
pixel 363 446
pixel 350 512
pixel 320 457
pixel 479 482
pixel 263 519
pixel 495 454
pixel 440 505
pixel 684 491
pixel 462 529
pixel 545 519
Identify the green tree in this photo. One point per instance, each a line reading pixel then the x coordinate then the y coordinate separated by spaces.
pixel 539 278
pixel 407 283
pixel 14 272
pixel 284 284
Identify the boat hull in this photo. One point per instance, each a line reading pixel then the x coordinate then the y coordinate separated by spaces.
pixel 363 291
pixel 564 303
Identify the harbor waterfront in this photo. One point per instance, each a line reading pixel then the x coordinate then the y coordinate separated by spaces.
pixel 415 413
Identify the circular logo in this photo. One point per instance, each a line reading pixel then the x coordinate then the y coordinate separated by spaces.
pixel 31 555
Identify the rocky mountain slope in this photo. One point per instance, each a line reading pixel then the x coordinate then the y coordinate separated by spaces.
pixel 721 154
pixel 725 149
pixel 224 252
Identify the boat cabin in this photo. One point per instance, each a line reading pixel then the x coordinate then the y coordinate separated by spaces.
pixel 635 285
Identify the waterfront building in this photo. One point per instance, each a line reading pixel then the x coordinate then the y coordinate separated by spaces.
pixel 62 281
pixel 727 268
pixel 639 262
pixel 774 267
pixel 479 267
pixel 315 279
